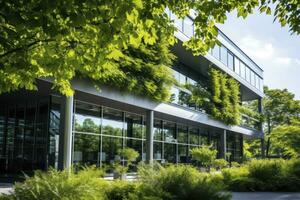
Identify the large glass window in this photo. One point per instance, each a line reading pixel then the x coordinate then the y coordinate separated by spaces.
pixel 86 149
pixel 112 123
pixel 157 151
pixel 248 78
pixel 252 78
pixel 182 134
pixel 177 22
pixel 243 70
pixel 216 52
pixel 223 55
pixel 170 153
pixel 169 131
pixel 158 130
pixel 87 118
pixel 110 149
pixel 188 27
pixel 257 82
pixel 230 61
pixel 194 135
pixel 237 65
pixel 133 125
pixel 182 153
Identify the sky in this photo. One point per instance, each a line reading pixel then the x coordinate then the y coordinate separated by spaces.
pixel 271 46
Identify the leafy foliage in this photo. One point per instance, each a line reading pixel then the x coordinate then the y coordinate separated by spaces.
pixel 220 163
pixel 204 155
pixel 225 93
pixel 181 182
pixel 286 140
pixel 124 44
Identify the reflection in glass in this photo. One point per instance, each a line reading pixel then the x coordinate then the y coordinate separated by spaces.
pixel 110 149
pixel 157 151
pixel 133 126
pixel 248 78
pixel 87 118
pixel 112 123
pixel 169 129
pixel 170 153
pixel 182 153
pixel 216 52
pixel 223 55
pixel 230 61
pixel 237 65
pixel 194 135
pixel 182 134
pixel 86 149
pixel 157 130
pixel 243 70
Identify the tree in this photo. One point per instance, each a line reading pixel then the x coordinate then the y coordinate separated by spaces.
pixel 204 155
pixel 286 139
pixel 280 108
pixel 120 43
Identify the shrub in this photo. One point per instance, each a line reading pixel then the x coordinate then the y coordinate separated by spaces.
pixel 56 185
pixel 220 163
pixel 121 190
pixel 204 155
pixel 268 174
pixel 181 182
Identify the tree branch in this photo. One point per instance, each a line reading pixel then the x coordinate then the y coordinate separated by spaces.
pixel 23 47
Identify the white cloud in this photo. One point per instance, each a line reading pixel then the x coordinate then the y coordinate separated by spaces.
pixel 283 60
pixel 257 48
pixel 297 61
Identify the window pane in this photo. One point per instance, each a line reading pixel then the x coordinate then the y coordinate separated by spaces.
pixel 216 52
pixel 257 82
pixel 110 148
pixel 157 130
pixel 261 84
pixel 252 78
pixel 175 95
pixel 203 139
pixel 112 123
pixel 87 118
pixel 194 135
pixel 237 65
pixel 86 149
pixel 188 27
pixel 157 151
pixel 243 70
pixel 230 61
pixel 169 132
pixel 170 153
pixel 182 153
pixel 136 145
pixel 177 21
pixel 224 55
pixel 248 74
pixel 133 125
pixel 182 134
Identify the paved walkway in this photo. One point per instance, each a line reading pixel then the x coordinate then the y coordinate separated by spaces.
pixel 265 196
pixel 5 188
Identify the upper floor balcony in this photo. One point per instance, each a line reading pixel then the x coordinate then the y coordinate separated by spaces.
pixel 228 57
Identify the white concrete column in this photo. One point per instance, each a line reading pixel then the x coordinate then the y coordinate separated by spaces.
pixel 149 136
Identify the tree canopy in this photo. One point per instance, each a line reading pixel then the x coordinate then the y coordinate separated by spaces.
pixel 111 42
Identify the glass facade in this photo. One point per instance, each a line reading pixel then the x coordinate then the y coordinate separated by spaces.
pixel 24 136
pixel 221 53
pixel 100 132
pixel 30 139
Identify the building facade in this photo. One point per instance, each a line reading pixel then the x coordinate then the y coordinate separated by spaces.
pixel 43 129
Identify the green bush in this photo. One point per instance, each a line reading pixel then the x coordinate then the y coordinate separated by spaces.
pixel 220 163
pixel 65 185
pixel 204 155
pixel 121 190
pixel 181 182
pixel 264 175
